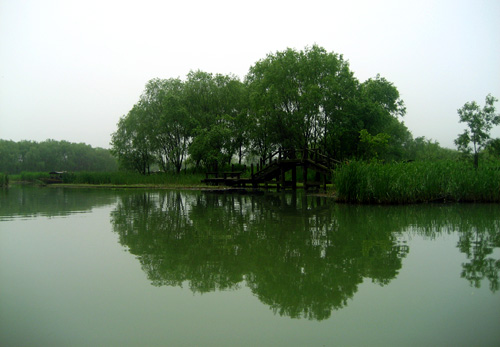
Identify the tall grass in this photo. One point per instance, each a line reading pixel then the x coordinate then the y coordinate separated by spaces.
pixel 117 178
pixel 130 178
pixel 402 183
pixel 4 180
pixel 29 176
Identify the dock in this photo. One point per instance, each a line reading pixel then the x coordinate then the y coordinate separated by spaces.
pixel 273 170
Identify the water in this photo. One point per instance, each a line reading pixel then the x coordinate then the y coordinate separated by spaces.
pixel 186 268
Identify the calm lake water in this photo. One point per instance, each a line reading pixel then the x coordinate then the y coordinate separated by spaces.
pixel 187 268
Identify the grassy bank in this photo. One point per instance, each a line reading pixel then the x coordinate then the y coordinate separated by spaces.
pixel 403 183
pixel 117 178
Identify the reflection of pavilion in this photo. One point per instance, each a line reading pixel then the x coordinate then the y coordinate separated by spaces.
pixel 300 255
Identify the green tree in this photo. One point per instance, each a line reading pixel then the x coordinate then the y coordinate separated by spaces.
pixel 479 122
pixel 171 125
pixel 372 146
pixel 130 143
pixel 379 110
pixel 422 149
pixel 212 146
pixel 311 99
pixel 493 148
pixel 298 94
pixel 217 104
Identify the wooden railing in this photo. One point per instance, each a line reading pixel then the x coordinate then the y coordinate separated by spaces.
pixel 303 154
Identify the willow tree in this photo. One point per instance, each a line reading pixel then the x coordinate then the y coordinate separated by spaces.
pixel 296 96
pixel 311 99
pixel 171 125
pixel 131 144
pixel 217 105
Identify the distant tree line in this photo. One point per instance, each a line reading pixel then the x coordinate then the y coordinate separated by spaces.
pixel 51 155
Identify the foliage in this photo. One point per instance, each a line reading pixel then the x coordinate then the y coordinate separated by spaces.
pixel 203 117
pixel 479 122
pixel 52 155
pixel 170 133
pixel 373 145
pixel 300 99
pixel 217 105
pixel 493 148
pixel 422 149
pixel 129 143
pixel 400 183
pixel 311 99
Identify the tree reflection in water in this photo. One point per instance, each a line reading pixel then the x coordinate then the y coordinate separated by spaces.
pixel 303 256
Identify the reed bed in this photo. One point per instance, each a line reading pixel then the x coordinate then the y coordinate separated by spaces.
pixel 416 182
pixel 117 178
pixel 130 178
pixel 29 176
pixel 4 180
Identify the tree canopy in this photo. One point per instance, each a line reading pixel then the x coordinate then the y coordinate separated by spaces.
pixel 307 99
pixel 479 122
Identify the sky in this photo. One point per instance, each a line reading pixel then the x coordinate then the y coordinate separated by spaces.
pixel 70 69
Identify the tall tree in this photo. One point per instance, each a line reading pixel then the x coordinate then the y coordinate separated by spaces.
pixel 311 99
pixel 479 122
pixel 297 95
pixel 218 107
pixel 130 143
pixel 171 131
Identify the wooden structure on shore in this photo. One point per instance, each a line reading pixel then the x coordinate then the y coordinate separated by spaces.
pixel 273 169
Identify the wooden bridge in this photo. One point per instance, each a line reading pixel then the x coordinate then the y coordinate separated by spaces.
pixel 273 169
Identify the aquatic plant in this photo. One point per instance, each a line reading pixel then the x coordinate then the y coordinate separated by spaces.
pixel 129 178
pixel 4 180
pixel 414 182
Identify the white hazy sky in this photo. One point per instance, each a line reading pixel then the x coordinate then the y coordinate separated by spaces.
pixel 70 69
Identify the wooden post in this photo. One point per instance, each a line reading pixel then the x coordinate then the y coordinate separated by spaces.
pixel 294 178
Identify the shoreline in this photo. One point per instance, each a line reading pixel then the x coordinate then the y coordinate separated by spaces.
pixel 204 188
